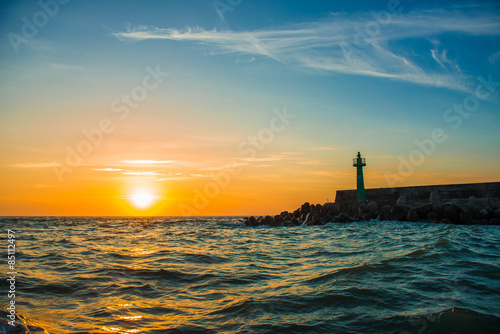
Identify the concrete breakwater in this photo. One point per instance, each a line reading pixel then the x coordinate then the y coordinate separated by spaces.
pixel 483 194
pixel 450 204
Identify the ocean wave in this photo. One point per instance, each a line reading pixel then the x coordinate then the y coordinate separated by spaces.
pixel 172 275
pixel 455 320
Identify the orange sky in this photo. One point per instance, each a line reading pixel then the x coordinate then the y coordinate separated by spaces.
pixel 175 112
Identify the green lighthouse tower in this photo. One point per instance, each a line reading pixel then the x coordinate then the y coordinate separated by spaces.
pixel 359 163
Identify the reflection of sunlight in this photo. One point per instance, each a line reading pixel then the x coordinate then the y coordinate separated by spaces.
pixel 119 330
pixel 142 251
pixel 130 317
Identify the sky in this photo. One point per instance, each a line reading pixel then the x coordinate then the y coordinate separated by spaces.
pixel 238 107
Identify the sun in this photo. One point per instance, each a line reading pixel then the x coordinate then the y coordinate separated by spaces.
pixel 142 199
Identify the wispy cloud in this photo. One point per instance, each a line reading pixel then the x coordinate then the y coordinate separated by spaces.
pixel 147 162
pixel 318 45
pixel 273 157
pixel 37 165
pixel 107 169
pixel 142 173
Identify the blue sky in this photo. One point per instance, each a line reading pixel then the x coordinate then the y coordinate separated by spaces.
pixel 370 76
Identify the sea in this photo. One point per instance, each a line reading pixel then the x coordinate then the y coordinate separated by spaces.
pixel 214 275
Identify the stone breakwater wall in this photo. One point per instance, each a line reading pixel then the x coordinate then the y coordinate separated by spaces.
pixel 483 194
pixel 450 204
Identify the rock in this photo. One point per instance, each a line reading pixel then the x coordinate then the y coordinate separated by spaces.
pixel 253 221
pixel 385 215
pixel 343 216
pixel 387 208
pixel 381 215
pixel 367 217
pixel 446 221
pixel 296 213
pixel 350 219
pixel 305 208
pixel 483 213
pixel 412 215
pixel 268 220
pixel 294 222
pixel 438 209
pixel 472 200
pixel 403 199
pixel 474 212
pixel 307 219
pixel 362 208
pixel 451 211
pixel 372 208
pixel 278 220
pixel 497 214
pixel 317 220
pixel 466 208
pixel 494 221
pixel 284 214
pixel 400 208
pixel 324 211
pixel 432 216
pixel 401 216
pixel 435 197
pixel 465 219
pixel 248 222
pixel 423 210
pixel 328 218
pixel 287 217
pixel 260 220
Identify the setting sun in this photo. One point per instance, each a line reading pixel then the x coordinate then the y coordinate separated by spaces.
pixel 142 199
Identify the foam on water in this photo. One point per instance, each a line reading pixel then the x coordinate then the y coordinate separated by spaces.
pixel 213 275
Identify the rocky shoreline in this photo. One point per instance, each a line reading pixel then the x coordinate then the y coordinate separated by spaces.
pixel 447 213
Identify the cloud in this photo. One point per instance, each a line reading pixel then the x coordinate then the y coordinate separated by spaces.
pixel 147 162
pixel 107 169
pixel 142 173
pixel 273 157
pixel 337 45
pixel 200 175
pixel 37 165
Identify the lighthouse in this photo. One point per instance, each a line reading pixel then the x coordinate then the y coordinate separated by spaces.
pixel 359 163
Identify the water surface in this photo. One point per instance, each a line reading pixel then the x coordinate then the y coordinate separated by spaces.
pixel 212 275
